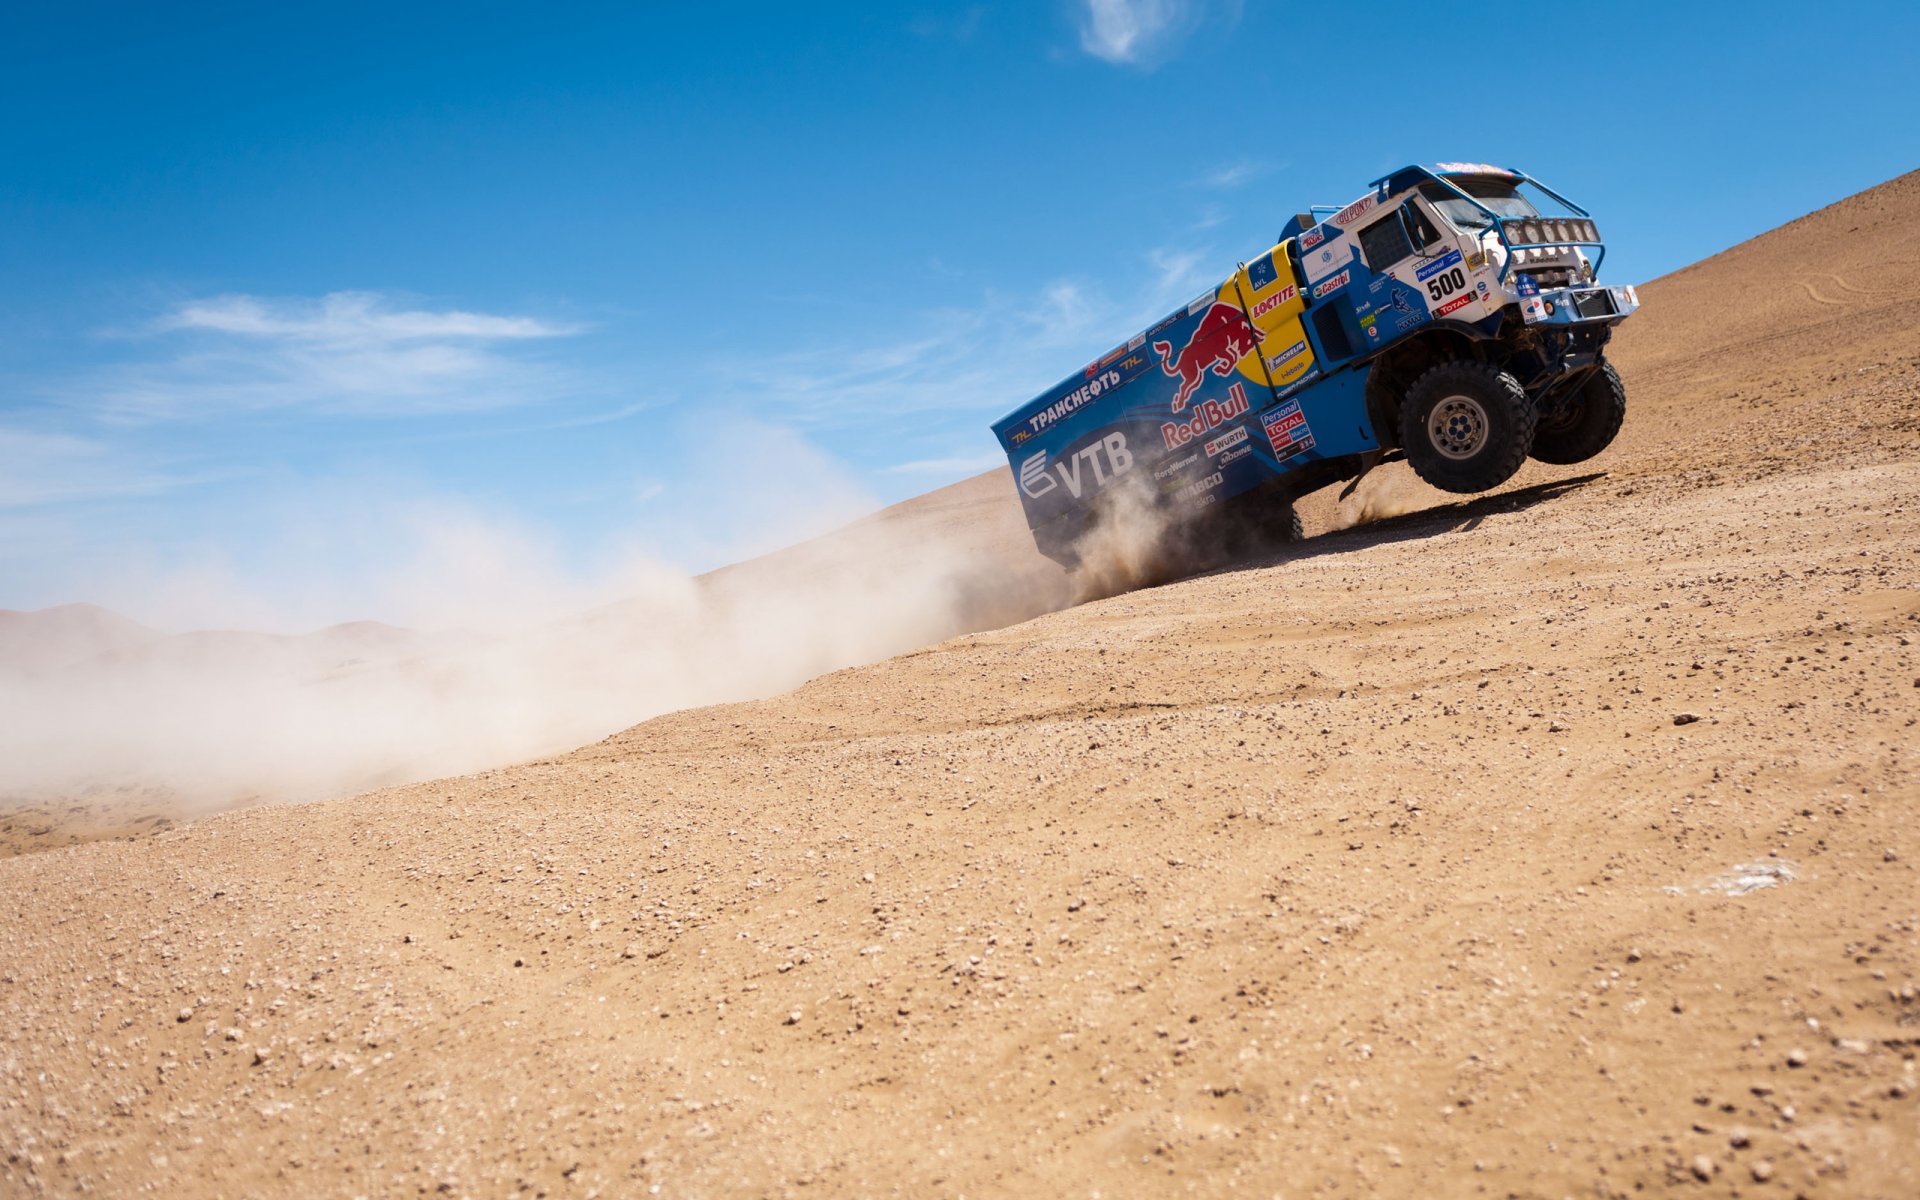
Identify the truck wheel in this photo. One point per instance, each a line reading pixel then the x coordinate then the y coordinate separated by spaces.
pixel 1586 421
pixel 1466 426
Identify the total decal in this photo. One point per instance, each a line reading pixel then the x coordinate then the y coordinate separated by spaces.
pixel 1207 416
pixel 1287 431
pixel 1223 337
pixel 1098 463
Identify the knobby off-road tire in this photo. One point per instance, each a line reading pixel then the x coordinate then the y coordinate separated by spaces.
pixel 1466 426
pixel 1587 420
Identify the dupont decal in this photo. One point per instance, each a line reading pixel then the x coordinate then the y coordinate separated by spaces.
pixel 1226 441
pixel 1353 212
pixel 1451 259
pixel 1287 431
pixel 1096 464
pixel 1329 286
pixel 1071 403
pixel 1262 274
pixel 1207 416
pixel 1262 307
pixel 1218 343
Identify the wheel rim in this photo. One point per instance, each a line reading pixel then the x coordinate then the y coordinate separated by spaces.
pixel 1458 427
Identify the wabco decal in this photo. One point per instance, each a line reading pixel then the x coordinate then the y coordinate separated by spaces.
pixel 1262 307
pixel 1199 485
pixel 1070 403
pixel 1105 459
pixel 1207 416
pixel 1226 441
pixel 1330 285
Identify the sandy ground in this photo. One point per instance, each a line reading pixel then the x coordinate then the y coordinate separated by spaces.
pixel 1556 843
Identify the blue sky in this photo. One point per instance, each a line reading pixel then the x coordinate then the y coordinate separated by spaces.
pixel 309 313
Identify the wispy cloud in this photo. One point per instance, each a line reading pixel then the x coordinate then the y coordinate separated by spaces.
pixel 38 469
pixel 348 352
pixel 1125 32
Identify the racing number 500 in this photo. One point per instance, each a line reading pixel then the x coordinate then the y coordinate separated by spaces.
pixel 1446 284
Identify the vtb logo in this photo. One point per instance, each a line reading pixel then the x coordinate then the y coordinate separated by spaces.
pixel 1105 459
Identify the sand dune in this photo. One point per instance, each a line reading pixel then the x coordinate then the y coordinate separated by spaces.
pixel 1556 842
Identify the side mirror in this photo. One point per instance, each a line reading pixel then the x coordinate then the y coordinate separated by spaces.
pixel 1415 236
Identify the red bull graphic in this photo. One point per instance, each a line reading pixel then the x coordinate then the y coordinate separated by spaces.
pixel 1208 416
pixel 1223 337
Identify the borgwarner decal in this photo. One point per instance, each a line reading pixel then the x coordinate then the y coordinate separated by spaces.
pixel 1208 416
pixel 1098 462
pixel 1223 337
pixel 1287 431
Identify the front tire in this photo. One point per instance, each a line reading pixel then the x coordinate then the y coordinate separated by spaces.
pixel 1466 426
pixel 1586 421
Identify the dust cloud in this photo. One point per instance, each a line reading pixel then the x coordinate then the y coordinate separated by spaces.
pixel 100 708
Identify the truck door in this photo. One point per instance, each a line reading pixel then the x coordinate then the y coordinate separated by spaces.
pixel 1272 300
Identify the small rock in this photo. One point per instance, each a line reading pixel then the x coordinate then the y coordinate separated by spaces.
pixel 1888 855
pixel 185 1015
pixel 793 1017
pixel 1702 1167
pixel 1556 727
pixel 1738 1139
pixel 260 1056
pixel 1685 718
pixel 1796 1057
pixel 1762 1171
pixel 1633 955
pixel 1899 1090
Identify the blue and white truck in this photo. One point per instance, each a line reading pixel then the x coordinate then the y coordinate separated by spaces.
pixel 1443 317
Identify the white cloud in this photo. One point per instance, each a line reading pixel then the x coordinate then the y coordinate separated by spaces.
pixel 349 352
pixel 1124 31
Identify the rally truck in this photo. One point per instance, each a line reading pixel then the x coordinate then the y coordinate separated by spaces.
pixel 1449 316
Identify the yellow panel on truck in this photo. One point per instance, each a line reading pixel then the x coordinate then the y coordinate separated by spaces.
pixel 1266 290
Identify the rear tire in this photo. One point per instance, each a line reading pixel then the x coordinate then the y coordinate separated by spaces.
pixel 1586 421
pixel 1466 426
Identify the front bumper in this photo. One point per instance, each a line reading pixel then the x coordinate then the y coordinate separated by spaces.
pixel 1575 305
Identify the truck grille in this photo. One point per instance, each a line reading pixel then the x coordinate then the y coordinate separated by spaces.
pixel 1597 303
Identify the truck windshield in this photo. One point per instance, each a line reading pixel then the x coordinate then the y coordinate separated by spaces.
pixel 1500 195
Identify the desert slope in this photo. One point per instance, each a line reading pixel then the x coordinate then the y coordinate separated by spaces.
pixel 1560 842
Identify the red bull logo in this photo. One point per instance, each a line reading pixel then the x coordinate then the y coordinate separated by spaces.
pixel 1208 416
pixel 1223 337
